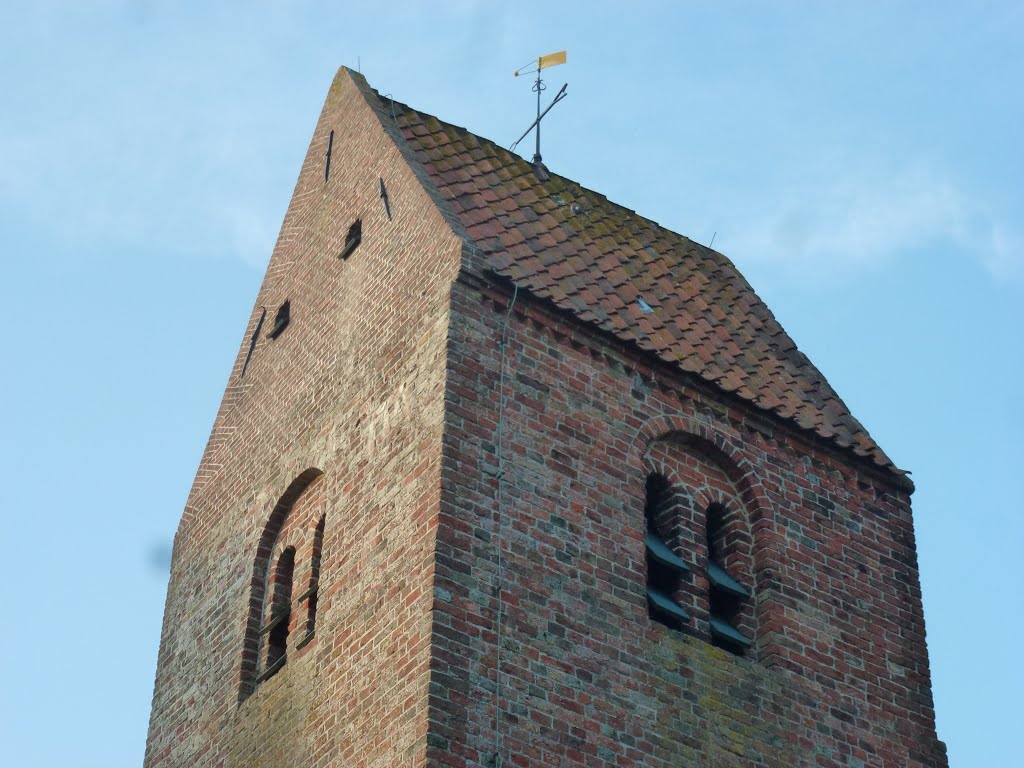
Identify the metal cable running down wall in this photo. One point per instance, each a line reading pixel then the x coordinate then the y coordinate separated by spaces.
pixel 501 529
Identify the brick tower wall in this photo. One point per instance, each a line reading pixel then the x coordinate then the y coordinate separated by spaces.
pixel 350 394
pixel 838 675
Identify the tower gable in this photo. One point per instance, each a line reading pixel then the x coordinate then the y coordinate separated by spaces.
pixel 420 534
pixel 617 271
pixel 550 647
pixel 341 367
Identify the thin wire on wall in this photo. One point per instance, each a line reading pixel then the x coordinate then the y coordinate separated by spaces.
pixel 501 529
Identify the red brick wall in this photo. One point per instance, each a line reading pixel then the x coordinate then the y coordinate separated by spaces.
pixel 354 388
pixel 297 523
pixel 387 383
pixel 698 482
pixel 839 672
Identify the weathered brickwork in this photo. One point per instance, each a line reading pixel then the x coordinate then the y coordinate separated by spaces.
pixel 352 388
pixel 839 672
pixel 471 459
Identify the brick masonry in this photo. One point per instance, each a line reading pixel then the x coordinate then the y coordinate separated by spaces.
pixel 353 388
pixel 382 406
pixel 839 673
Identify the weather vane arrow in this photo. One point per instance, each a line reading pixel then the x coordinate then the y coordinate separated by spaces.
pixel 542 63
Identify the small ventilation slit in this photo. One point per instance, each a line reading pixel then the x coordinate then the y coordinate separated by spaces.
pixel 281 320
pixel 253 340
pixel 327 159
pixel 384 198
pixel 352 239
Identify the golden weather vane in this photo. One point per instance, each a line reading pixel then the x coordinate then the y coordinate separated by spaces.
pixel 542 63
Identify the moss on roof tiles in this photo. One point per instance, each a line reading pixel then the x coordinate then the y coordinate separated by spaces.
pixel 584 252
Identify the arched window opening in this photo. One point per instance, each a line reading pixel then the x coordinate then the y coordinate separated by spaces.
pixel 312 594
pixel 727 596
pixel 279 614
pixel 665 568
pixel 270 596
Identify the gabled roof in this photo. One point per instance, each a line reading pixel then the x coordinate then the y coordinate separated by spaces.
pixel 679 300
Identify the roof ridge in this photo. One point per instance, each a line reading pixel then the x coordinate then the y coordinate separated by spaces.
pixel 600 259
pixel 376 102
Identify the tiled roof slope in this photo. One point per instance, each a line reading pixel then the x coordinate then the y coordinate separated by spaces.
pixel 599 261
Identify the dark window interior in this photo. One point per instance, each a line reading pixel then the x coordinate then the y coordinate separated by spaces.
pixel 353 238
pixel 727 596
pixel 281 320
pixel 280 607
pixel 311 604
pixel 664 568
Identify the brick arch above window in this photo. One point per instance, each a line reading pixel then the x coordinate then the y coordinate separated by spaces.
pixel 723 447
pixel 703 519
pixel 744 464
pixel 290 526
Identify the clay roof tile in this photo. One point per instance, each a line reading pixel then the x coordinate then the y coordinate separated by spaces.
pixel 595 259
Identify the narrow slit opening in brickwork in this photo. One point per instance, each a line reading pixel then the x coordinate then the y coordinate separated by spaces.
pixel 664 567
pixel 281 320
pixel 253 340
pixel 327 159
pixel 280 612
pixel 727 596
pixel 385 201
pixel 313 593
pixel 352 239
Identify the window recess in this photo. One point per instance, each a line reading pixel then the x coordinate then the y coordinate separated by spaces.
pixel 659 551
pixel 277 628
pixel 311 596
pixel 664 608
pixel 665 568
pixel 728 596
pixel 275 631
pixel 722 581
pixel 281 320
pixel 352 239
pixel 272 624
pixel 728 636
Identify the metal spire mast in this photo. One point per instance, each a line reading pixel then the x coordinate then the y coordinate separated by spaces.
pixel 542 63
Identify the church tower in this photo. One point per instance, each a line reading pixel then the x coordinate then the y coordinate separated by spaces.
pixel 506 474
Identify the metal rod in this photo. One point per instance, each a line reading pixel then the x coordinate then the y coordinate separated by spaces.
pixel 561 95
pixel 536 155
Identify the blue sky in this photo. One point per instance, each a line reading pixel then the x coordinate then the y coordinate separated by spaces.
pixel 861 163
